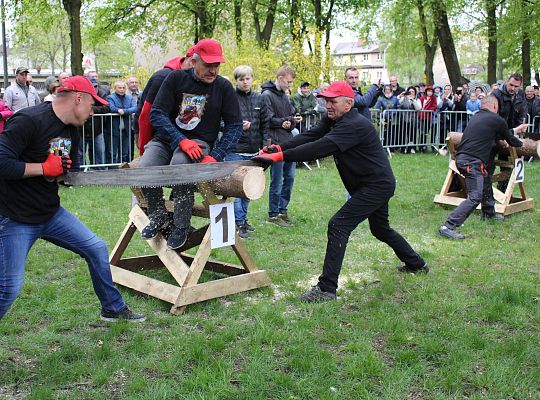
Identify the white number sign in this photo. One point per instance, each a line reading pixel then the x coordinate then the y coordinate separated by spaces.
pixel 222 225
pixel 519 169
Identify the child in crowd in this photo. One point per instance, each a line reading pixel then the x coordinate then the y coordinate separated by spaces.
pixel 473 104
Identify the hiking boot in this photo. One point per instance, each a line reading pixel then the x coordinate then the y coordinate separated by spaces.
pixel 450 233
pixel 242 231
pixel 316 295
pixel 177 238
pixel 126 315
pixel 157 222
pixel 278 221
pixel 494 217
pixel 402 267
pixel 248 226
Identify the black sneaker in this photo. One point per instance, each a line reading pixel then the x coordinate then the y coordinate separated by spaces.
pixel 177 238
pixel 450 233
pixel 242 231
pixel 126 315
pixel 157 222
pixel 402 267
pixel 249 227
pixel 494 217
pixel 316 295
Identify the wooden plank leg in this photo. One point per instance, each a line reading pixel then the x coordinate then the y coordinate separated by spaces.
pixel 222 287
pixel 122 243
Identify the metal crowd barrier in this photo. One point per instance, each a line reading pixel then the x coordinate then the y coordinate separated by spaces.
pixel 409 130
pixel 106 141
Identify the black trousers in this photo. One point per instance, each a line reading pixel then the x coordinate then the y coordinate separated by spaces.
pixel 366 203
pixel 479 190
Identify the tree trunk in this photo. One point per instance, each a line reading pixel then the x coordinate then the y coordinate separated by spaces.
pixel 525 42
pixel 238 20
pixel 294 22
pixel 263 36
pixel 446 41
pixel 492 41
pixel 429 47
pixel 73 9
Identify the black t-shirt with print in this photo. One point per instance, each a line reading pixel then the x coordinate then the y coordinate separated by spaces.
pixel 356 147
pixel 29 136
pixel 194 108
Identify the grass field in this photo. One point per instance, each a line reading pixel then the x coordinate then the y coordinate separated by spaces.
pixel 468 330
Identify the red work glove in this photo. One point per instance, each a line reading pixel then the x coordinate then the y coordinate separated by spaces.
pixel 273 148
pixel 56 165
pixel 208 159
pixel 267 159
pixel 192 149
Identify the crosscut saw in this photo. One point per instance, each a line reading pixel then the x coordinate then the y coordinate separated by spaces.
pixel 166 175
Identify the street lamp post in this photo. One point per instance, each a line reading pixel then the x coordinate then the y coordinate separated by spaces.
pixel 4 46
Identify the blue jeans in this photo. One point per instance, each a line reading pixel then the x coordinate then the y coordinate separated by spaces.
pixel 281 184
pixel 240 205
pixel 63 230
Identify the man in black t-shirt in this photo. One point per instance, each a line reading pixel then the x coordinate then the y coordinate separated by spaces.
pixel 366 174
pixel 472 160
pixel 186 115
pixel 37 146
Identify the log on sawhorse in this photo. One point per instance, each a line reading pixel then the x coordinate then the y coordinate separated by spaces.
pixel 184 268
pixel 454 191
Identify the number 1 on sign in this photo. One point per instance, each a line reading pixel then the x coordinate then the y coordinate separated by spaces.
pixel 222 225
pixel 519 169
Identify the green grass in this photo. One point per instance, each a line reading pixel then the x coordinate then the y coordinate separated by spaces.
pixel 468 330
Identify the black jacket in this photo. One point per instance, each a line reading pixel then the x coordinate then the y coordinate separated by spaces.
pixel 513 110
pixel 533 107
pixel 480 135
pixel 280 109
pixel 253 109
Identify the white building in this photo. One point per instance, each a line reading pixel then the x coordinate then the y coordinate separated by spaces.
pixel 368 58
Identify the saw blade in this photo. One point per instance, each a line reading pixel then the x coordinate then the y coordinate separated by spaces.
pixel 159 176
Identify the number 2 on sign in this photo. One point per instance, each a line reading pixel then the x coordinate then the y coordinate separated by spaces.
pixel 222 225
pixel 519 168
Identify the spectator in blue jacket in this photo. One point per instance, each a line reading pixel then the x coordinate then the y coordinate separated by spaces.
pixel 124 105
pixel 386 103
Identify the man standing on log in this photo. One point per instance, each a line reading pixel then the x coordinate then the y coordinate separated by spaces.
pixel 472 159
pixel 186 116
pixel 366 174
pixel 29 202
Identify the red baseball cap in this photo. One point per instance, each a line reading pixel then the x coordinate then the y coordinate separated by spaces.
pixel 81 84
pixel 210 51
pixel 189 53
pixel 338 89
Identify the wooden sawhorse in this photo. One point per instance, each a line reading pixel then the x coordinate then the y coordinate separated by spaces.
pixel 454 191
pixel 184 268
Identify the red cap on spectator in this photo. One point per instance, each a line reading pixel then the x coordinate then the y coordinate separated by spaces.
pixel 210 51
pixel 189 53
pixel 83 85
pixel 338 89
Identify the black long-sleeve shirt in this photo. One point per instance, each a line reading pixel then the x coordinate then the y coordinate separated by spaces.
pixel 29 136
pixel 482 130
pixel 356 147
